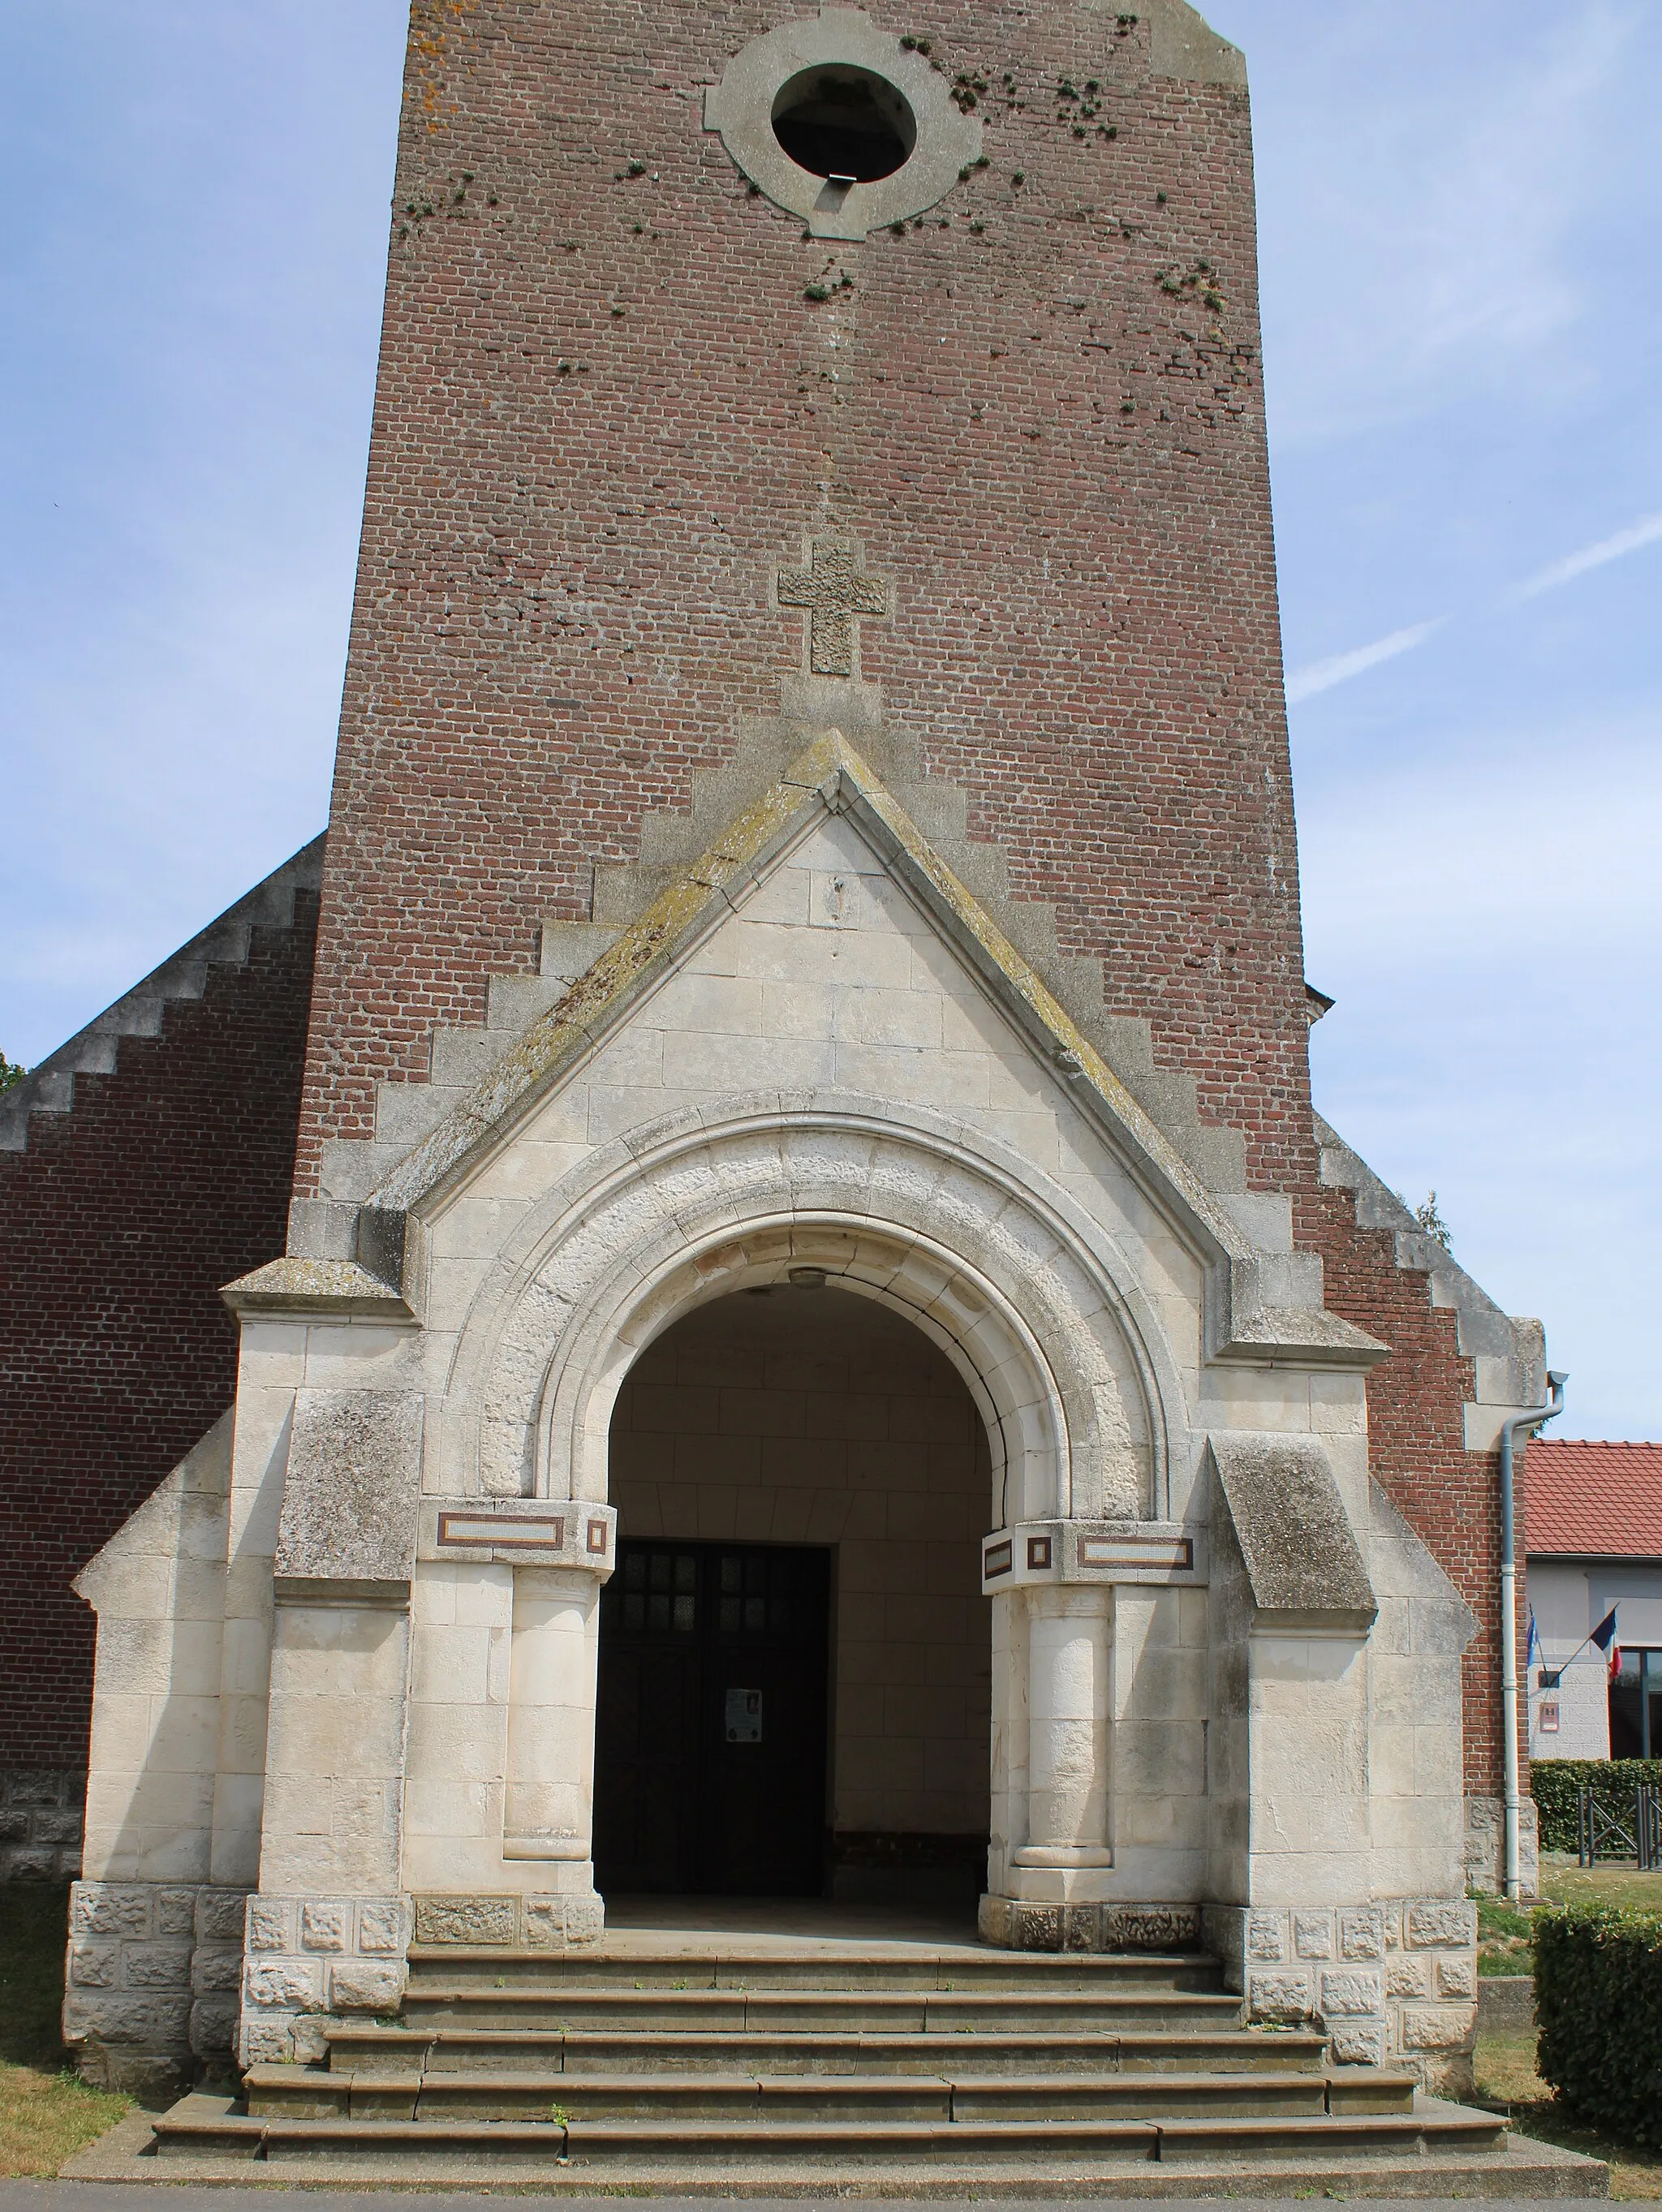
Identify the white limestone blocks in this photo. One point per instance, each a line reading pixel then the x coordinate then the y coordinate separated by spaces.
pixel 549 1813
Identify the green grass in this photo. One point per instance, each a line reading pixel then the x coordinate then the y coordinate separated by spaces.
pixel 1504 1937
pixel 46 2113
pixel 1566 1883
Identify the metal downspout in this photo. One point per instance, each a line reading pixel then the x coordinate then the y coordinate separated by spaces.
pixel 1532 1420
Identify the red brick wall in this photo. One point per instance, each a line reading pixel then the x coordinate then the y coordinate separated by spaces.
pixel 1450 1497
pixel 117 1226
pixel 563 600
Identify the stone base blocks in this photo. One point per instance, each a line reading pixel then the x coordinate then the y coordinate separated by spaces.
pixel 1017 1924
pixel 519 1922
pixel 1392 1983
pixel 151 1994
pixel 313 1960
pixel 41 1822
pixel 315 1963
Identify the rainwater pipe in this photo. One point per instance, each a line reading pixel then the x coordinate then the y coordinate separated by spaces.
pixel 1530 1421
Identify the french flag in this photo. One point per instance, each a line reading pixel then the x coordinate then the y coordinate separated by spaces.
pixel 1604 1637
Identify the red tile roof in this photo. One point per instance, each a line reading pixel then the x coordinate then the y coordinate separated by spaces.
pixel 1594 1500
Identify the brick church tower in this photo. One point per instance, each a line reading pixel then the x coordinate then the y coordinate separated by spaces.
pixel 805 1104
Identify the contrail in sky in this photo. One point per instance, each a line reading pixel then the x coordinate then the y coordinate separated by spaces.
pixel 1629 540
pixel 1340 668
pixel 1322 675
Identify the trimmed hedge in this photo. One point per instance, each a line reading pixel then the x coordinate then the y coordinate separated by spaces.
pixel 1598 1999
pixel 1554 1784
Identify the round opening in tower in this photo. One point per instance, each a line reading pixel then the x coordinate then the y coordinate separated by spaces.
pixel 838 121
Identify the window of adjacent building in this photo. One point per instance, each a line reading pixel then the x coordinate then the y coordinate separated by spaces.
pixel 1636 1707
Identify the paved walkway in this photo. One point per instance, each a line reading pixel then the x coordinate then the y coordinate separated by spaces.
pixel 753 1927
pixel 141 2197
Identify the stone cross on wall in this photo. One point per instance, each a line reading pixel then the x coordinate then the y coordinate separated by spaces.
pixel 835 592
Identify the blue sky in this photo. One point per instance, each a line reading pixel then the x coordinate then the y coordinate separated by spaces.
pixel 1458 209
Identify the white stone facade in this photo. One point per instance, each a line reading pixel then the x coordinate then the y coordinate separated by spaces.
pixel 347 1656
pixel 1569 1598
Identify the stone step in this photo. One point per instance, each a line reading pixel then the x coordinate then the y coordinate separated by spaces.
pixel 436 2004
pixel 569 949
pixel 406 1112
pixel 275 2092
pixel 1432 2129
pixel 913 1967
pixel 785 2149
pixel 365 2051
pixel 513 1002
pixel 462 1056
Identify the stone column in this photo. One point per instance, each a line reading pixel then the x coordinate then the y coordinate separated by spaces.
pixel 325 1930
pixel 156 1934
pixel 1065 1871
pixel 1067 1725
pixel 548 1814
pixel 498 1846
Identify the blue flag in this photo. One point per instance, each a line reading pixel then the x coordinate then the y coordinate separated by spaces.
pixel 1606 1629
pixel 1533 1654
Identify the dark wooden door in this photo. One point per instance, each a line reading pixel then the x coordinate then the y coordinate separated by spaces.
pixel 710 1752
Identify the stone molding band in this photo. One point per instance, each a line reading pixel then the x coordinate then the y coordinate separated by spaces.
pixel 1090 1551
pixel 520 1532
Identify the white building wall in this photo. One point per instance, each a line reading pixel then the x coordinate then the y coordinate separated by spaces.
pixel 1570 1598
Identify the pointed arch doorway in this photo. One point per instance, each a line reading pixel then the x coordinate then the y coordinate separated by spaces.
pixel 795 1664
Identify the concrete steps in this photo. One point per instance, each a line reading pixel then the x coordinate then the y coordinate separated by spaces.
pixel 781 2149
pixel 645 2065
pixel 814 2011
pixel 889 1970
pixel 365 2051
pixel 948 2094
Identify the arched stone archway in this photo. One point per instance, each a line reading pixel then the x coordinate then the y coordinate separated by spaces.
pixel 1048 1325
pixel 1028 1298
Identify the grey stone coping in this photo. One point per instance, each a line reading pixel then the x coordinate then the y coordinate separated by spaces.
pixel 1303 1564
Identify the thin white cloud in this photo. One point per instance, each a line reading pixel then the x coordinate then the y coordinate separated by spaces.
pixel 1398 186
pixel 1340 668
pixel 1646 531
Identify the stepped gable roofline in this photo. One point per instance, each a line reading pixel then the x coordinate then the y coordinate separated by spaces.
pixel 49 1086
pixel 1587 1498
pixel 828 777
pixel 1508 1350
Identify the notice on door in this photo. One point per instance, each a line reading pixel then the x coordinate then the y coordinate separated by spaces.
pixel 744 1715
